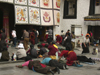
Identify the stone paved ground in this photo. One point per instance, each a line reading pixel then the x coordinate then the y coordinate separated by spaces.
pixel 10 69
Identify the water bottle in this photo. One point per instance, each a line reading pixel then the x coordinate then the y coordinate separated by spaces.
pixel 14 57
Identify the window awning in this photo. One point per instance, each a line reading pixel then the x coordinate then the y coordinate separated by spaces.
pixel 92 20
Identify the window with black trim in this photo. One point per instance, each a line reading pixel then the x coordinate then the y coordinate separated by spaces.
pixel 70 9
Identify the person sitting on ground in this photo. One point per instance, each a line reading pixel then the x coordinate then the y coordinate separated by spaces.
pixel 42 50
pixel 21 53
pixel 78 43
pixel 54 63
pixel 70 56
pixel 32 52
pixel 5 54
pixel 58 39
pixel 37 66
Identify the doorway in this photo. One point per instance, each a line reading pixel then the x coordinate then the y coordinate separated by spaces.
pixel 1 19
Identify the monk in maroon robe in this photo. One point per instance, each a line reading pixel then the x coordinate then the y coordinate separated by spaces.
pixel 58 39
pixel 32 38
pixel 70 57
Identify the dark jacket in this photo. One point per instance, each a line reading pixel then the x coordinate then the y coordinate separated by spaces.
pixel 42 51
pixel 5 56
pixel 2 44
pixel 3 36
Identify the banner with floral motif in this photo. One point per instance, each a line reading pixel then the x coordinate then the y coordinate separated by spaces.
pixel 10 1
pixel 21 14
pixel 46 17
pixel 56 4
pixel 34 15
pixel 4 0
pixel 57 17
pixel 33 3
pixel 22 2
pixel 46 3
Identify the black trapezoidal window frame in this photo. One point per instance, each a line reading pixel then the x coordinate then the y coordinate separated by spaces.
pixel 66 3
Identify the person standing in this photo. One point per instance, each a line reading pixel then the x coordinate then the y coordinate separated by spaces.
pixel 91 37
pixel 3 35
pixel 2 40
pixel 26 39
pixel 32 37
pixel 36 36
pixel 73 40
pixel 85 44
pixel 14 37
pixel 50 32
pixel 67 43
pixel 68 32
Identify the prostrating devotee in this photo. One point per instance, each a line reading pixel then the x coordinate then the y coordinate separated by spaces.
pixel 52 51
pixel 37 66
pixel 4 55
pixel 54 63
pixel 21 53
pixel 86 44
pixel 70 56
pixel 54 44
pixel 67 42
pixel 32 37
pixel 32 52
pixel 26 39
pixel 58 39
pixel 42 50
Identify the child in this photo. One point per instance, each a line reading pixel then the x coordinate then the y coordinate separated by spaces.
pixel 78 43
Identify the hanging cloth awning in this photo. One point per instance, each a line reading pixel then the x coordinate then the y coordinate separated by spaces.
pixel 92 20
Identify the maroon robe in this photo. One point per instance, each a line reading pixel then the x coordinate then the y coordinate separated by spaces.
pixel 70 56
pixel 52 50
pixel 59 39
pixel 32 38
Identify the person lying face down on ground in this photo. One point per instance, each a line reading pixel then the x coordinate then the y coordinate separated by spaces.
pixel 70 56
pixel 54 63
pixel 37 66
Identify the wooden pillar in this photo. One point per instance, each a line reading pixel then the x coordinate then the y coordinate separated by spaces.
pixel 6 22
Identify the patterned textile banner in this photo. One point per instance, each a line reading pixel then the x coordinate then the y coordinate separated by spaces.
pixel 57 17
pixel 10 1
pixel 21 14
pixel 46 17
pixel 46 3
pixel 34 15
pixel 56 4
pixel 33 3
pixel 4 0
pixel 23 2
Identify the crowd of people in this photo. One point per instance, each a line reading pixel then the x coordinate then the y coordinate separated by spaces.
pixel 52 56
